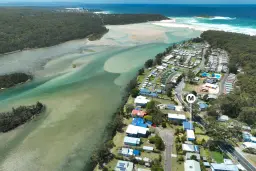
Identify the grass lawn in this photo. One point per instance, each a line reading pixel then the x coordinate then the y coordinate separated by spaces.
pixel 199 130
pixel 140 78
pixel 201 137
pixel 204 152
pixel 119 137
pixel 130 100
pixel 217 156
pixel 176 166
pixel 111 165
pixel 189 87
pixel 151 156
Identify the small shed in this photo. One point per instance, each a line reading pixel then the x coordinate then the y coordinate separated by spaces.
pixel 148 148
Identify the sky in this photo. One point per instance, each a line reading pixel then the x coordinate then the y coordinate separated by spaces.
pixel 145 1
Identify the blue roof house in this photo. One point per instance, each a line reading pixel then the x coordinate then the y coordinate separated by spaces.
pixel 188 126
pixel 139 122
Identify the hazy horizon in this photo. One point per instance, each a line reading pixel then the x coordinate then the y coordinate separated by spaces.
pixel 182 2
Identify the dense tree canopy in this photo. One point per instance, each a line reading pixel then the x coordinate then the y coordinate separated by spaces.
pixel 23 28
pixel 10 80
pixel 18 116
pixel 241 103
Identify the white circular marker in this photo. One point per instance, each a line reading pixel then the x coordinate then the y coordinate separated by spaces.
pixel 191 98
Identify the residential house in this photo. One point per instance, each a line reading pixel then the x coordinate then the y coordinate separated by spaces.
pixel 188 125
pixel 138 113
pixel 178 118
pixel 137 131
pixel 190 148
pixel 131 141
pixel 139 122
pixel 124 166
pixel 190 135
pixel 141 101
pixel 223 167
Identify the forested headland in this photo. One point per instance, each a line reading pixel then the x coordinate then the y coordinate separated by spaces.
pixel 33 28
pixel 241 103
pixel 19 116
pixel 10 80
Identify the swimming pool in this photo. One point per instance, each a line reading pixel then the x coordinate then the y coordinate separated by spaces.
pixel 218 76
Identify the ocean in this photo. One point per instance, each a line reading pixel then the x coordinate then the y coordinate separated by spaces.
pixel 232 18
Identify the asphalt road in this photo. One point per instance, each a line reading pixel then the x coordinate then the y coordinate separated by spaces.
pixel 229 149
pixel 167 137
pixel 222 83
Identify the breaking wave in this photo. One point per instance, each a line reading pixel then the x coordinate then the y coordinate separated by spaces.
pixel 202 25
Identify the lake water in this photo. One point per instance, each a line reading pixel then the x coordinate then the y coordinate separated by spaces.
pixel 80 101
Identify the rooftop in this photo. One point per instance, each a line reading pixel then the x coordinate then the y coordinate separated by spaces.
pixel 191 165
pixel 176 116
pixel 224 167
pixel 124 166
pixel 188 125
pixel 131 129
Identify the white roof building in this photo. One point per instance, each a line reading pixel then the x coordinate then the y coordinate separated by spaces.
pixel 160 67
pixel 191 165
pixel 190 135
pixel 176 116
pixel 131 140
pixel 141 100
pixel 190 148
pixel 223 167
pixel 131 129
pixel 148 148
pixel 223 118
pixel 249 145
pixel 127 151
